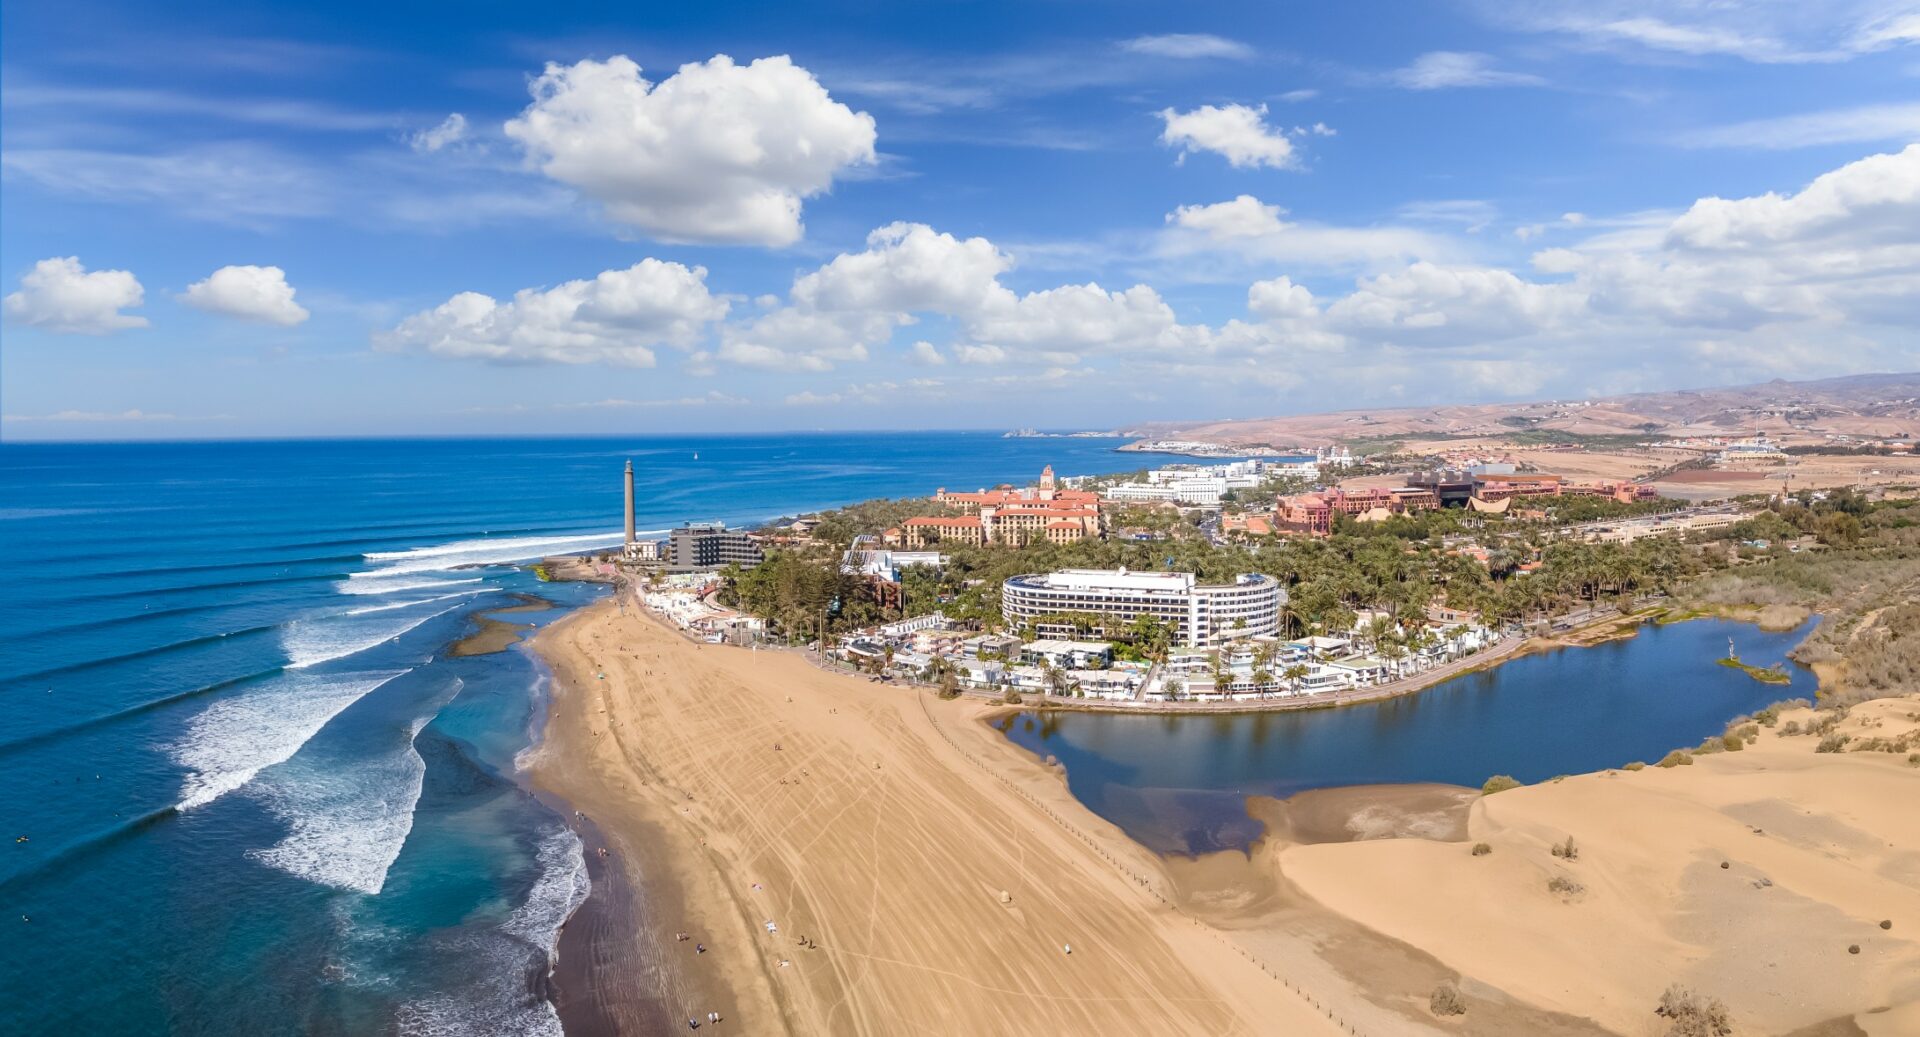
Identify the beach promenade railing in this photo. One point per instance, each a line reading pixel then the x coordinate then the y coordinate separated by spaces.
pixel 1143 881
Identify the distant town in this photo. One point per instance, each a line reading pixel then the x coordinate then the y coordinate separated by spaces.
pixel 1305 578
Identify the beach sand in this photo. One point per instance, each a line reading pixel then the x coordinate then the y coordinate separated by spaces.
pixel 888 825
pixel 879 830
pixel 1818 847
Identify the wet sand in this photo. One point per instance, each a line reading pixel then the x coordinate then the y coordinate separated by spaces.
pixel 495 634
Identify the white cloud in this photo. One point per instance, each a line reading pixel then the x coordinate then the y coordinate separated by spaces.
pixel 615 318
pixel 1280 298
pixel 1296 96
pixel 1445 69
pixel 907 266
pixel 61 295
pixel 241 184
pixel 927 353
pixel 1874 199
pixel 91 416
pixel 977 353
pixel 1469 303
pixel 452 130
pixel 1760 31
pixel 1872 123
pixel 716 153
pixel 1187 45
pixel 1236 131
pixel 714 398
pixel 259 293
pixel 1255 230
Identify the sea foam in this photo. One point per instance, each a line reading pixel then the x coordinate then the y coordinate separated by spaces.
pixel 346 826
pixel 310 642
pixel 461 553
pixel 556 894
pixel 234 739
pixel 499 1001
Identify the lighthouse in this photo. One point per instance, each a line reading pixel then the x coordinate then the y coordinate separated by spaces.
pixel 629 488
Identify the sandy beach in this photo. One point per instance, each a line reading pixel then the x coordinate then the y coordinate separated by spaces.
pixel 938 872
pixel 934 897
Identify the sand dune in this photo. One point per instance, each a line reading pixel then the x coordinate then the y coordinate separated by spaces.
pixel 1818 848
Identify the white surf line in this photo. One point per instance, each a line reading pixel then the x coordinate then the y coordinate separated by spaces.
pixel 234 739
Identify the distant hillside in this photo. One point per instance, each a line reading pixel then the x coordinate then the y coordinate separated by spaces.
pixel 1856 405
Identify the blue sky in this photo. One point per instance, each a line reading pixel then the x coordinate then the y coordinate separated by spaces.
pixel 242 220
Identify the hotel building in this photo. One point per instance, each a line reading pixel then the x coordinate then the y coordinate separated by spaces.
pixel 1009 516
pixel 705 546
pixel 1200 614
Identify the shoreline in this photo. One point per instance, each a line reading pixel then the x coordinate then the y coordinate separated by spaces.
pixel 905 930
pixel 874 834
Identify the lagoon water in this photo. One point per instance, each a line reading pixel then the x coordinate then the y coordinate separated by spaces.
pixel 1178 784
pixel 256 794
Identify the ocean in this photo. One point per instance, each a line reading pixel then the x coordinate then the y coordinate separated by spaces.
pixel 247 788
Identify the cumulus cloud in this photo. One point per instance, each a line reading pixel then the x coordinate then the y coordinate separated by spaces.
pixel 715 153
pixel 617 317
pixel 1280 298
pixel 855 302
pixel 451 130
pixel 258 293
pixel 1876 198
pixel 1187 45
pixel 1256 230
pixel 62 295
pixel 1235 131
pixel 1446 69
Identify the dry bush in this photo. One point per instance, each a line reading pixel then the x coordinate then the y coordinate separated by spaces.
pixel 1564 885
pixel 1693 1014
pixel 1446 1000
pixel 1499 783
pixel 1482 849
pixel 1832 743
pixel 1566 851
pixel 1635 766
pixel 1676 758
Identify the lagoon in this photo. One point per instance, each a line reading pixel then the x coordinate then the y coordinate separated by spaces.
pixel 1179 783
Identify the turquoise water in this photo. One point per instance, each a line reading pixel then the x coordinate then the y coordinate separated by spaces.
pixel 1178 784
pixel 256 794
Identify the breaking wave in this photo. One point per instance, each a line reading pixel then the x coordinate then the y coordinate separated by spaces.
pixel 234 739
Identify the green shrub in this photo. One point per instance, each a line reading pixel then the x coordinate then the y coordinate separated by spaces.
pixel 1676 758
pixel 1499 783
pixel 1635 766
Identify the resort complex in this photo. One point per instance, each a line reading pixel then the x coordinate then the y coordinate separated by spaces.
pixel 1200 615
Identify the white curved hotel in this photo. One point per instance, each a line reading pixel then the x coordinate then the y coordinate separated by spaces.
pixel 1201 614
